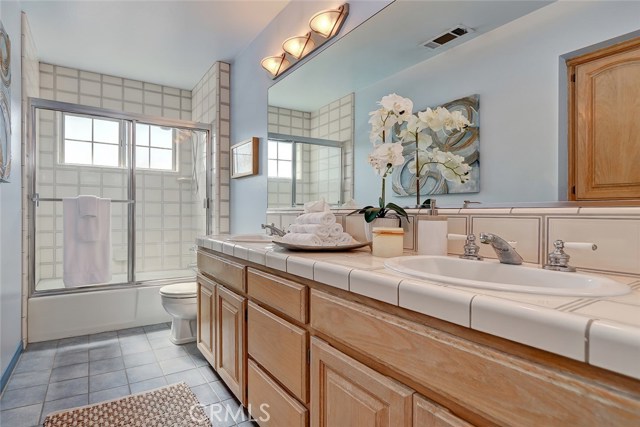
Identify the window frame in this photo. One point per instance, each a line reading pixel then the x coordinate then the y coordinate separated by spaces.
pixel 123 129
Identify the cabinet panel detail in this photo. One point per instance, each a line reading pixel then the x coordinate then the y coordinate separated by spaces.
pixel 222 270
pixel 270 404
pixel 429 414
pixel 280 347
pixel 345 392
pixel 205 338
pixel 230 333
pixel 283 295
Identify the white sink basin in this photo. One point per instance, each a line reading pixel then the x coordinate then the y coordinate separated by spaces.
pixel 504 277
pixel 250 238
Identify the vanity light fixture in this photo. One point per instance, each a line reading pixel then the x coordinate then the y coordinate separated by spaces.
pixel 275 65
pixel 328 22
pixel 298 46
pixel 324 25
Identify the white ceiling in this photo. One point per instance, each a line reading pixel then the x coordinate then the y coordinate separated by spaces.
pixel 170 43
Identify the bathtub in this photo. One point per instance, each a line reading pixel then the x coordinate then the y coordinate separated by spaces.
pixel 69 315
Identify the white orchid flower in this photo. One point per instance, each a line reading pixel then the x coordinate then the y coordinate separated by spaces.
pixel 384 156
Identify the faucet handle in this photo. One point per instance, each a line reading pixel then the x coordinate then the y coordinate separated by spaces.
pixel 578 245
pixel 471 249
pixel 559 259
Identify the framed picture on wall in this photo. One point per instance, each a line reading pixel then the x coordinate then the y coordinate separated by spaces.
pixel 5 105
pixel 244 158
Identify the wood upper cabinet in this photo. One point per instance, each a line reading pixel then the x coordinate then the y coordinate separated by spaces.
pixel 604 143
pixel 205 338
pixel 230 341
pixel 429 414
pixel 345 392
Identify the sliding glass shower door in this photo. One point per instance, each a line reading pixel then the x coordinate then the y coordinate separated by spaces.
pixel 153 171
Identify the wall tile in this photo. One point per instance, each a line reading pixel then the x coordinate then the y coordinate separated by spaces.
pixel 618 242
pixel 525 231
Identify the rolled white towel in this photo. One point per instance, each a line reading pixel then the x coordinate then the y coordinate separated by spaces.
pixel 342 239
pixel 303 239
pixel 335 230
pixel 324 218
pixel 322 231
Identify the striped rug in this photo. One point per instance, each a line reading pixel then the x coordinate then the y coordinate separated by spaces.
pixel 173 405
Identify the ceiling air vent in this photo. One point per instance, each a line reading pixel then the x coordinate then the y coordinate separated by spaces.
pixel 447 36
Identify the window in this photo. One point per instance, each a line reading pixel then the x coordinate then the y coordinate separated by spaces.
pixel 96 142
pixel 154 147
pixel 90 141
pixel 280 159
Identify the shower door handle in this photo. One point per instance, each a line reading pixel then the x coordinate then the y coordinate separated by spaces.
pixel 36 199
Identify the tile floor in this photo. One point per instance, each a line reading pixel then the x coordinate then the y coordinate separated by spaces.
pixel 66 373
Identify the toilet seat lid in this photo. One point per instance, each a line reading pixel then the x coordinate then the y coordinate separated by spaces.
pixel 180 290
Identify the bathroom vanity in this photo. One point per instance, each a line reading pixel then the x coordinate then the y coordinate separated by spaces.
pixel 323 340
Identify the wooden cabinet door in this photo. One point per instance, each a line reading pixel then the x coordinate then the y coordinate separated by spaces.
pixel 345 392
pixel 231 354
pixel 605 138
pixel 205 338
pixel 429 414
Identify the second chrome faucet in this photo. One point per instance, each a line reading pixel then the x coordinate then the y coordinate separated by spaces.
pixel 505 252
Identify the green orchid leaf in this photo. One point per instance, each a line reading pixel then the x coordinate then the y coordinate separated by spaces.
pixel 371 214
pixel 397 209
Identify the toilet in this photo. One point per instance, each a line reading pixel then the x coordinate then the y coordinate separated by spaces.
pixel 179 300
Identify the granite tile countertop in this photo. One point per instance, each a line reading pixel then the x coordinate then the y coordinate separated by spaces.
pixel 603 332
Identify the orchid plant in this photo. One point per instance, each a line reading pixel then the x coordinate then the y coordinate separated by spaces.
pixel 396 110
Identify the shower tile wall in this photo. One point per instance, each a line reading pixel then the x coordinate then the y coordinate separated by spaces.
pixel 211 104
pixel 333 121
pixel 287 122
pixel 166 207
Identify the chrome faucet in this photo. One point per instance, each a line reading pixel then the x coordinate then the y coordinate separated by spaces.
pixel 272 229
pixel 505 252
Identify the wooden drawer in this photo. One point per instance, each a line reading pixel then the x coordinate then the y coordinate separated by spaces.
pixel 503 389
pixel 429 414
pixel 280 348
pixel 289 298
pixel 222 270
pixel 270 404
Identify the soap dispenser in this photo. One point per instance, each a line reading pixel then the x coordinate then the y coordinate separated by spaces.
pixel 432 231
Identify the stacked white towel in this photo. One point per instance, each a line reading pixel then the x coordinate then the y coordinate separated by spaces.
pixel 317 229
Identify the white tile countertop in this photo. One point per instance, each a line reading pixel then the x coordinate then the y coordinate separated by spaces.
pixel 603 332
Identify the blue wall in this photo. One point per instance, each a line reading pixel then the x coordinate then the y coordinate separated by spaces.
pixel 10 206
pixel 517 71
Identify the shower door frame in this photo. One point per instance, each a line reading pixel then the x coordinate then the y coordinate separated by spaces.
pixel 133 118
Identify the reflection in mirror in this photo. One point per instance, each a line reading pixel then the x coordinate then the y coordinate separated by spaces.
pixel 316 165
pixel 322 140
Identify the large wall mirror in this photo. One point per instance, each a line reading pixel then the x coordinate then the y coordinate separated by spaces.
pixel 513 59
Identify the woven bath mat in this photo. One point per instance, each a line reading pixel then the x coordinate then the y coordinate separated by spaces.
pixel 171 406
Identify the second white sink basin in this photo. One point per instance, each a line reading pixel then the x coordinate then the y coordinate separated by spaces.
pixel 504 277
pixel 250 238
